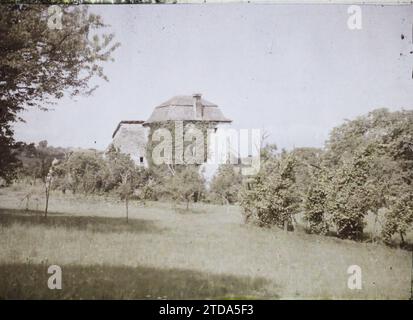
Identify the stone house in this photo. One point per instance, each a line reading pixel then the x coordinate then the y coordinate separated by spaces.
pixel 131 136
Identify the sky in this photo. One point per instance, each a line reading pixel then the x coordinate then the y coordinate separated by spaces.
pixel 294 71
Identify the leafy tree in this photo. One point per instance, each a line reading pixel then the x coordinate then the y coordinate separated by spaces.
pixel 267 151
pixel 37 160
pixel 349 197
pixel 123 175
pixel 184 185
pixel 146 189
pixel 391 131
pixel 9 162
pixel 226 184
pixel 308 161
pixel 271 196
pixel 314 203
pixel 39 65
pixel 38 163
pixel 84 171
pixel 118 164
pixel 399 217
pixel 372 161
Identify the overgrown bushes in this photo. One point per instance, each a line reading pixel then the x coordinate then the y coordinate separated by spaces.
pixel 367 165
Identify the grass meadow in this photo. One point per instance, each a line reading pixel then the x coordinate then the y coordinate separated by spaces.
pixel 164 253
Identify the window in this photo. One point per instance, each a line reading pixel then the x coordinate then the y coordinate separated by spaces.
pixel 141 159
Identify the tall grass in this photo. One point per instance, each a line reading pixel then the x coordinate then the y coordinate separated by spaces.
pixel 205 253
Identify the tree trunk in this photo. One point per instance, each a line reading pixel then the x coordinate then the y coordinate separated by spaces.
pixel 227 204
pixel 47 203
pixel 402 238
pixel 127 209
pixel 286 225
pixel 27 202
pixel 375 233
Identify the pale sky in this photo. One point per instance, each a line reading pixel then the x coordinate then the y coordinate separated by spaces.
pixel 295 71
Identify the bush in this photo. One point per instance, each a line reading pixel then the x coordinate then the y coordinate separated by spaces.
pixel 315 205
pixel 270 198
pixel 399 218
pixel 185 184
pixel 226 184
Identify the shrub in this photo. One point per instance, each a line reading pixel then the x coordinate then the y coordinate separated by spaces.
pixel 226 184
pixel 315 204
pixel 185 184
pixel 271 198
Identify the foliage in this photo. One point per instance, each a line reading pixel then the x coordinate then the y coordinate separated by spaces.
pixel 39 65
pixel 226 184
pixel 399 218
pixel 314 203
pixel 181 152
pixel 8 149
pixel 185 184
pixel 271 197
pixel 349 197
pixel 117 164
pixel 367 165
pixel 37 160
pixel 366 168
pixel 308 161
pixel 370 164
pixel 83 171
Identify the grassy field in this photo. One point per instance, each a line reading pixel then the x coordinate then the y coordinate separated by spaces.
pixel 172 254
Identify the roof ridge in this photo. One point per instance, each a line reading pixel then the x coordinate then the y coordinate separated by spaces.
pixel 184 100
pixel 126 122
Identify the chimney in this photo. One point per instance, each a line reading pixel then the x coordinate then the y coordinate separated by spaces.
pixel 198 112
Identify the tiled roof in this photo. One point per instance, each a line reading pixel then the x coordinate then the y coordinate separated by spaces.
pixel 181 108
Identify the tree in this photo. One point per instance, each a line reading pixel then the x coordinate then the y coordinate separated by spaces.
pixel 39 65
pixel 48 183
pixel 314 203
pixel 226 184
pixel 184 185
pixel 267 151
pixel 117 165
pixel 8 150
pixel 271 196
pixel 125 190
pixel 372 161
pixel 38 163
pixel 350 197
pixel 122 173
pixel 84 171
pixel 308 161
pixel 399 217
pixel 367 166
